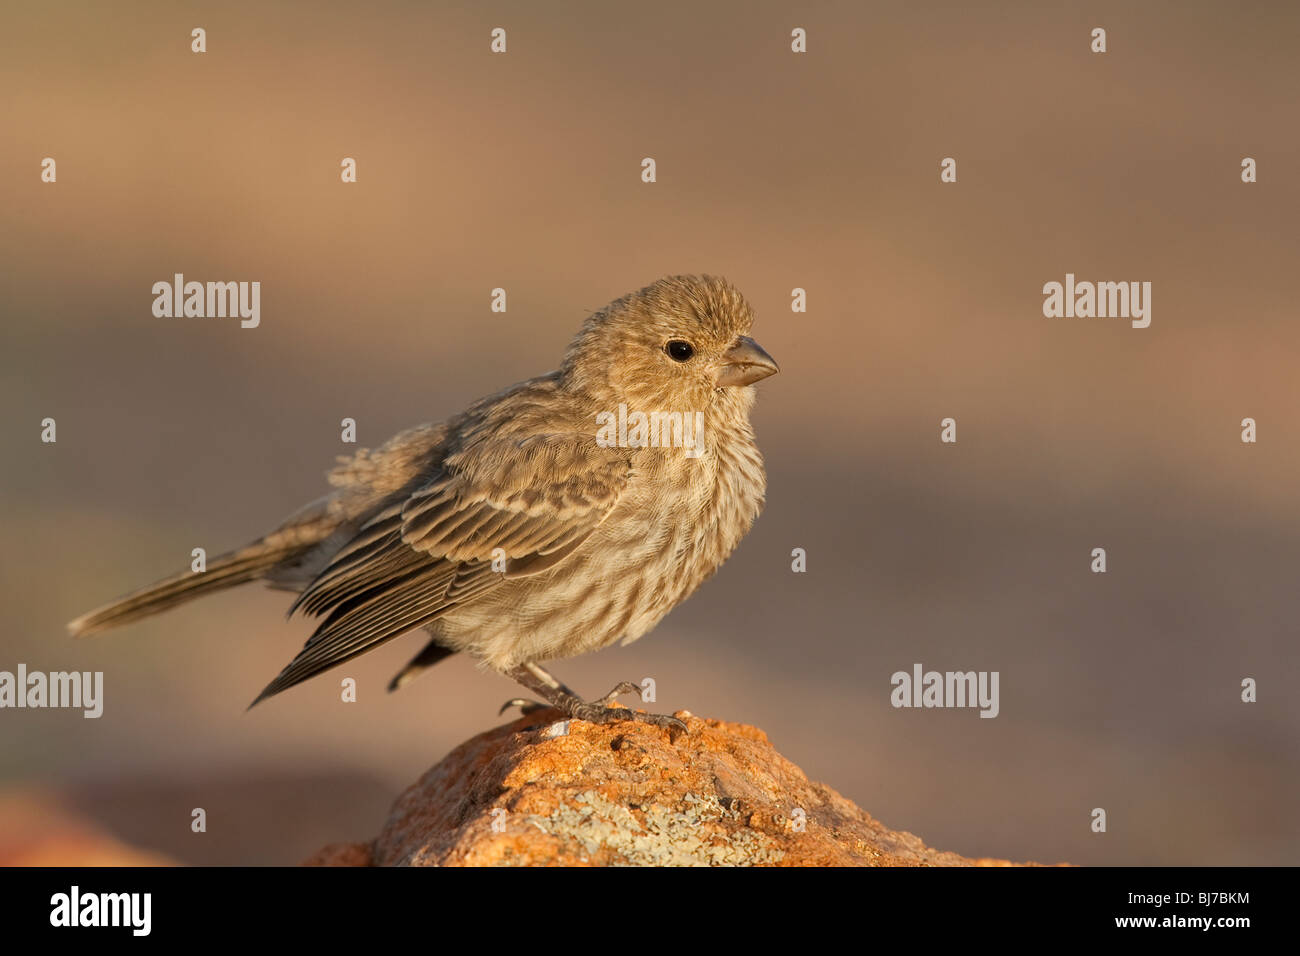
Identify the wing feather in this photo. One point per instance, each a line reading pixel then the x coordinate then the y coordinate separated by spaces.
pixel 536 498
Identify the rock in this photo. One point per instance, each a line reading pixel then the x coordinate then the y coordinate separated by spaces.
pixel 544 791
pixel 341 854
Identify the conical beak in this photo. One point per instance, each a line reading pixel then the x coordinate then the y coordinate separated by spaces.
pixel 745 364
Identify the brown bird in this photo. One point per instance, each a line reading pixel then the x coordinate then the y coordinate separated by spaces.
pixel 551 519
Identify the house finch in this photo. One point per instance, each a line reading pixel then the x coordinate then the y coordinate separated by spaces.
pixel 548 520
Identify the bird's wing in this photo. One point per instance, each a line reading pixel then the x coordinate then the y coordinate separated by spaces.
pixel 528 502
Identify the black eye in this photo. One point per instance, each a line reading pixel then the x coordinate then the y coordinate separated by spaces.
pixel 679 351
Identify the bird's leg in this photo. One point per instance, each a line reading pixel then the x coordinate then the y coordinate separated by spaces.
pixel 537 679
pixel 548 687
pixel 527 706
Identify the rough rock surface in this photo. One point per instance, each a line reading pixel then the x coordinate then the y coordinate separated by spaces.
pixel 548 791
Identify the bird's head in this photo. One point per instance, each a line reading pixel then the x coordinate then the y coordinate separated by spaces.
pixel 677 345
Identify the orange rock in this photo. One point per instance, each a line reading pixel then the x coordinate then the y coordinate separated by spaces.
pixel 341 854
pixel 544 791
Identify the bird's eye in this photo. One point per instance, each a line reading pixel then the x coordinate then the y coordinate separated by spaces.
pixel 679 351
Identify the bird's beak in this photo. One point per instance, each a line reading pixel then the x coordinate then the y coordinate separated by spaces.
pixel 745 363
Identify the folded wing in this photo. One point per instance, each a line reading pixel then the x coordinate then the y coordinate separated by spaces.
pixel 526 502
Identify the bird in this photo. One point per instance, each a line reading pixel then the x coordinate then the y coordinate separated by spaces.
pixel 557 517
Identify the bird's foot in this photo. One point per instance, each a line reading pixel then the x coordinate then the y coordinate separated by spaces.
pixel 600 711
pixel 538 680
pixel 597 713
pixel 626 687
pixel 525 706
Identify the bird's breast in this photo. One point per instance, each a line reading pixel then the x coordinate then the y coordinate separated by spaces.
pixel 675 524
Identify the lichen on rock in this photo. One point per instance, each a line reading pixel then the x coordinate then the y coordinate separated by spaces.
pixel 543 791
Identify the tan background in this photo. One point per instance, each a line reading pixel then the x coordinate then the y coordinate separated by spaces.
pixel 775 170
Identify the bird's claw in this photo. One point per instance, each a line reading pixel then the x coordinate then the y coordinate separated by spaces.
pixel 625 687
pixel 596 713
pixel 536 679
pixel 525 706
pixel 600 711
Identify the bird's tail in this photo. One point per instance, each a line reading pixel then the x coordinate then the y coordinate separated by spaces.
pixel 228 570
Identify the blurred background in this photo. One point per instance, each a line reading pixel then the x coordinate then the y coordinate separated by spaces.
pixel 820 171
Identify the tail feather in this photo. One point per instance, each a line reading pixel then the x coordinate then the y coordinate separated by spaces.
pixel 228 570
